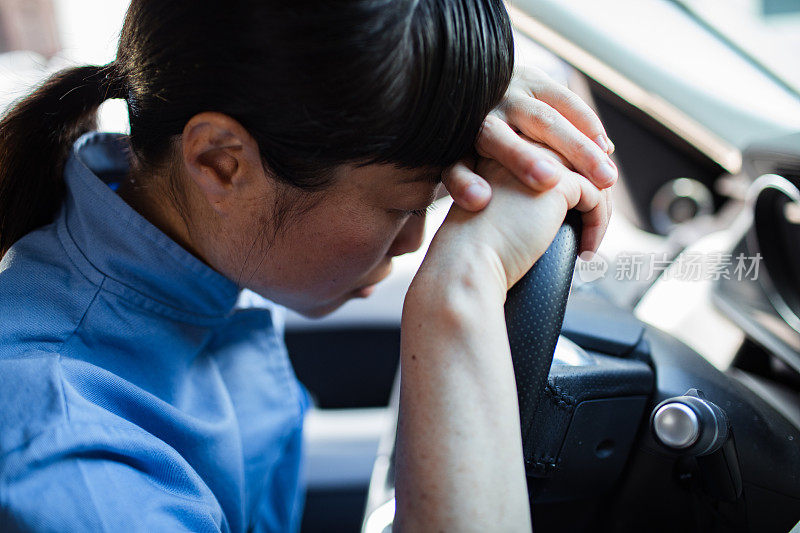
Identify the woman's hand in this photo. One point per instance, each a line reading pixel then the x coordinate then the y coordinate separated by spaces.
pixel 520 223
pixel 517 226
pixel 459 463
pixel 544 111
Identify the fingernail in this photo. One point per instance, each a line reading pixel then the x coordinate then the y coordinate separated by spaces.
pixel 611 146
pixel 607 173
pixel 601 141
pixel 477 191
pixel 543 170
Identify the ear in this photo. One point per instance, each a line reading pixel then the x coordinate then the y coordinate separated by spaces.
pixel 222 159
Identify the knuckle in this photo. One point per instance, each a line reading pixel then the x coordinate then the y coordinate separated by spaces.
pixel 491 121
pixel 596 195
pixel 571 99
pixel 562 173
pixel 594 162
pixel 488 132
pixel 570 190
pixel 545 118
pixel 583 150
pixel 529 74
pixel 488 167
pixel 569 96
pixel 540 114
pixel 512 99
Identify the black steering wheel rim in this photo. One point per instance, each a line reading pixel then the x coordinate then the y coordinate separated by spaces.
pixel 534 313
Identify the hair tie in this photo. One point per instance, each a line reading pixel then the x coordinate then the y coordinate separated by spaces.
pixel 114 83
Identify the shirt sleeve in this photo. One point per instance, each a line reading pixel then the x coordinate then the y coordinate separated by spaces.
pixel 102 479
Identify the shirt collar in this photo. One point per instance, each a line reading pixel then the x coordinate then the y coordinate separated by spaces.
pixel 123 245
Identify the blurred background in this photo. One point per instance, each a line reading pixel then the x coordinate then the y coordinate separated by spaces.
pixel 685 88
pixel 40 36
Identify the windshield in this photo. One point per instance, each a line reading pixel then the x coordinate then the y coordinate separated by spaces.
pixel 668 52
pixel 765 31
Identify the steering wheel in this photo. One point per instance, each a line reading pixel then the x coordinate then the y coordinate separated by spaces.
pixel 534 312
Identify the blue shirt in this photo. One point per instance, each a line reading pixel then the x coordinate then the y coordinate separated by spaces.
pixel 140 390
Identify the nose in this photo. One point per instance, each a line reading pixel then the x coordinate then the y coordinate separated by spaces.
pixel 410 237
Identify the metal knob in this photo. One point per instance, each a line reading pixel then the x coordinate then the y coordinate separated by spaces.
pixel 676 425
pixel 693 426
pixel 690 424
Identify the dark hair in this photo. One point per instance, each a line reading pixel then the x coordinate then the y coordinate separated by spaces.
pixel 316 83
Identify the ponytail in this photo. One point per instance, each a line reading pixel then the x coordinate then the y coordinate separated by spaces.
pixel 35 138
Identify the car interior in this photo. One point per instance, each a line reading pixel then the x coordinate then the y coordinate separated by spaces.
pixel 658 382
pixel 669 404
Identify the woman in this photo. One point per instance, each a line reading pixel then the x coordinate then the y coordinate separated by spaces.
pixel 289 149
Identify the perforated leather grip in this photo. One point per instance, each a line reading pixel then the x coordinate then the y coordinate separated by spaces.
pixel 534 313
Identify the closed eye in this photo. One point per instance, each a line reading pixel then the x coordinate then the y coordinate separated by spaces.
pixel 420 212
pixel 431 198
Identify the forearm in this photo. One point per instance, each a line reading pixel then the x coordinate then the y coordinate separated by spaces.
pixel 459 453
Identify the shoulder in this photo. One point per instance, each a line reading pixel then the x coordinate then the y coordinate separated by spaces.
pixel 98 473
pixel 36 399
pixel 31 397
pixel 43 297
pixel 86 477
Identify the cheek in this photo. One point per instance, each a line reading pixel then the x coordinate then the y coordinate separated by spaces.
pixel 354 251
pixel 332 257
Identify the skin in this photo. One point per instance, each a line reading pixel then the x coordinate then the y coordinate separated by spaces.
pixel 459 464
pixel 542 132
pixel 331 247
pixel 458 397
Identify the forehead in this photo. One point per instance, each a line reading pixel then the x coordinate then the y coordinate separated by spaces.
pixel 429 176
pixel 385 174
pixel 357 190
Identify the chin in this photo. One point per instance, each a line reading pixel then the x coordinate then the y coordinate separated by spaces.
pixel 312 310
pixel 316 313
pixel 321 311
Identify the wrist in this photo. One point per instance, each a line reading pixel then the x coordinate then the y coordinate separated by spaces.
pixel 462 259
pixel 457 283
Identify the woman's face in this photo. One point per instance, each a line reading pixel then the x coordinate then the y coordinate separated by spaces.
pixel 341 242
pixel 309 251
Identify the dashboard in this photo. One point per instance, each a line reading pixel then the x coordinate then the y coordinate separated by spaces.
pixel 767 305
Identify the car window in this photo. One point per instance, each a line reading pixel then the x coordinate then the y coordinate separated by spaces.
pixel 666 51
pixel 768 31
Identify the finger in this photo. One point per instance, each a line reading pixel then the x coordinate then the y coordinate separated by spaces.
pixel 595 224
pixel 609 212
pixel 574 109
pixel 468 189
pixel 538 120
pixel 580 193
pixel 547 151
pixel 583 196
pixel 532 165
